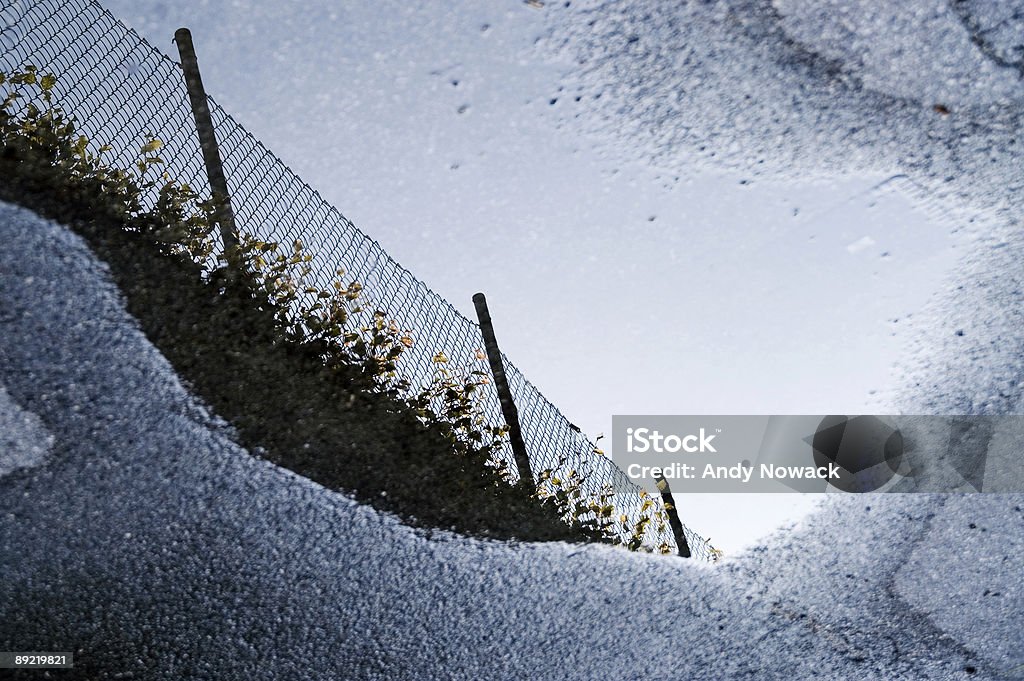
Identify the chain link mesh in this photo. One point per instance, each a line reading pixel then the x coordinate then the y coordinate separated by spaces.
pixel 121 89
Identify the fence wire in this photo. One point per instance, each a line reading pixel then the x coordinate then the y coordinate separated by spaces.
pixel 121 89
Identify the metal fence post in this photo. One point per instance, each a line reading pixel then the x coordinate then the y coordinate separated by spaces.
pixel 508 405
pixel 207 140
pixel 673 517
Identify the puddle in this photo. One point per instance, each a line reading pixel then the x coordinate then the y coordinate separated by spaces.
pixel 671 211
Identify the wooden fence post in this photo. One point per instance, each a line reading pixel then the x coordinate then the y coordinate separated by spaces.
pixel 508 405
pixel 673 517
pixel 207 140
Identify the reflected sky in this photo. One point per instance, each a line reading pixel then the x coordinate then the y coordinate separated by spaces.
pixel 617 284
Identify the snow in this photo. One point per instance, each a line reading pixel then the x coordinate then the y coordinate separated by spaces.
pixel 982 536
pixel 24 440
pixel 917 51
pixel 152 545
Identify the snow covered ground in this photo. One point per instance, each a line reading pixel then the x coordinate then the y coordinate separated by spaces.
pixel 153 547
pixel 24 440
